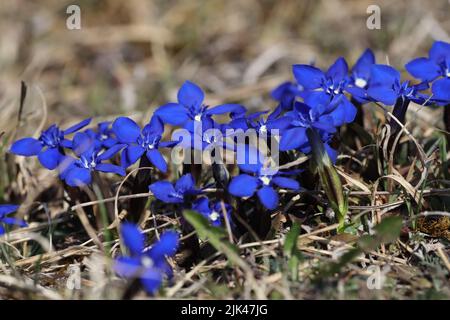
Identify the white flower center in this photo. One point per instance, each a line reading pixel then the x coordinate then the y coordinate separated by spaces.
pixel 361 83
pixel 198 117
pixel 214 216
pixel 265 180
pixel 263 129
pixel 448 73
pixel 103 137
pixel 147 262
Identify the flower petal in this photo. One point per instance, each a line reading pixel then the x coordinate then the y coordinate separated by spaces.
pixel 338 70
pixel 423 69
pixel 108 167
pixel 50 158
pixel 439 51
pixel 441 90
pixel 172 113
pixel 308 76
pixel 185 182
pixel 77 177
pixel 190 95
pixel 383 75
pixel 268 197
pixel 235 109
pixel 243 185
pixel 364 63
pixel 77 126
pixel 293 138
pixel 166 246
pixel 126 130
pixel 26 147
pixel 111 152
pixel 127 267
pixel 130 155
pixel 157 160
pixel 164 190
pixel 132 237
pixel 7 209
pixel 151 279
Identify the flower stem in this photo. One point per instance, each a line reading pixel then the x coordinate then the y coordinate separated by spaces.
pixel 447 122
pixel 329 178
pixel 400 108
pixel 141 182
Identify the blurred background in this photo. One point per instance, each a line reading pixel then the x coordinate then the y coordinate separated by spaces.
pixel 131 56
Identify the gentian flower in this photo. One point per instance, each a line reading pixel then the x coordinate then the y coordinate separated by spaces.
pixel 360 76
pixel 48 147
pixel 190 108
pixel 138 141
pixel 326 88
pixel 213 212
pixel 260 179
pixel 286 93
pixel 5 210
pixel 103 136
pixel 169 193
pixel 385 86
pixel 304 117
pixel 437 65
pixel 257 122
pixel 148 265
pixel 77 172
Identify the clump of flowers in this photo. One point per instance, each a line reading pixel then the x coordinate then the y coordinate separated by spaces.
pixel 310 111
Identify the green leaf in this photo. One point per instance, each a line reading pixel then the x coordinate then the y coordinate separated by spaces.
pixel 389 229
pixel 216 236
pixel 331 182
pixel 290 243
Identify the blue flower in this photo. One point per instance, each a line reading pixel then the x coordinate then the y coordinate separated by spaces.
pixel 286 94
pixel 148 265
pixel 257 122
pixel 103 136
pixel 169 193
pixel 260 179
pixel 385 86
pixel 437 65
pixel 326 88
pixel 360 76
pixel 48 147
pixel 77 172
pixel 5 210
pixel 190 108
pixel 213 212
pixel 138 141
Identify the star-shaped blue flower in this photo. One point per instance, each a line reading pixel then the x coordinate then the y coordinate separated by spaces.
pixel 148 265
pixel 326 87
pixel 147 140
pixel 169 193
pixel 78 172
pixel 385 86
pixel 48 146
pixel 260 179
pixel 104 136
pixel 360 77
pixel 190 108
pixel 437 65
pixel 212 211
